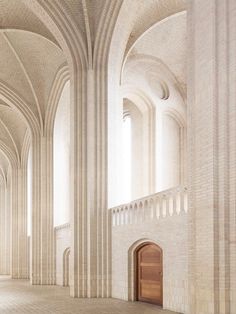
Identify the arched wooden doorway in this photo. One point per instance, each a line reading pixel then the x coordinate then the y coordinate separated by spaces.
pixel 149 274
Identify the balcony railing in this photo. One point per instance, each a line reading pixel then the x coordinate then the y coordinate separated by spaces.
pixel 156 206
pixel 64 226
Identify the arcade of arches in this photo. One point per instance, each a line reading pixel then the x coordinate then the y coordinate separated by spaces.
pixel 118 151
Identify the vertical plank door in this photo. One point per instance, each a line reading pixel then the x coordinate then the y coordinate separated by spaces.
pixel 149 274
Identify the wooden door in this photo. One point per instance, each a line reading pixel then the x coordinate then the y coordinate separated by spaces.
pixel 149 274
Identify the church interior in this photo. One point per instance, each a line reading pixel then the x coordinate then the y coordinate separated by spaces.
pixel 117 156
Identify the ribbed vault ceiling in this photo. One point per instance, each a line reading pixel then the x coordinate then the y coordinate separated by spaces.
pixel 166 41
pixel 30 58
pixel 28 64
pixel 14 14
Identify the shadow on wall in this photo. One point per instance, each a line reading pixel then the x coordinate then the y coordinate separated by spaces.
pixel 66 267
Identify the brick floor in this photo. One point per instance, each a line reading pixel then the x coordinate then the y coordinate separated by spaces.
pixel 18 296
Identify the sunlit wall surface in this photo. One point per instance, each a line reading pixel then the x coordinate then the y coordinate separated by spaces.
pixel 61 158
pixel 126 164
pixel 29 192
pixel 171 153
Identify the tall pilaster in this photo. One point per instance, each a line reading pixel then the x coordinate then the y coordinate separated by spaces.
pixel 231 218
pixel 4 230
pixel 99 224
pixel 90 260
pixel 211 155
pixel 42 239
pixel 19 244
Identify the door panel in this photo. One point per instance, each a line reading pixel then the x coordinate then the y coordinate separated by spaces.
pixel 149 274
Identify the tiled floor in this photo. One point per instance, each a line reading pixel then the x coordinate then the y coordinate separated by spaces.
pixel 18 297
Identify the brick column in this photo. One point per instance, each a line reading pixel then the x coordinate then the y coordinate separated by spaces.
pixel 19 246
pixel 211 158
pixel 42 238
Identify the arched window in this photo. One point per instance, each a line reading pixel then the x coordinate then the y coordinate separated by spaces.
pixel 29 192
pixel 126 157
pixel 61 159
pixel 171 150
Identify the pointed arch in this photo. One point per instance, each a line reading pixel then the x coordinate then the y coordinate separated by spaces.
pixel 9 154
pixel 12 99
pixel 60 80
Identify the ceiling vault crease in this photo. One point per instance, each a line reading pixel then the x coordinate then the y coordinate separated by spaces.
pixel 11 137
pixel 26 76
pixel 88 34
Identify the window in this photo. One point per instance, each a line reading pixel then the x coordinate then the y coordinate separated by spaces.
pixel 126 157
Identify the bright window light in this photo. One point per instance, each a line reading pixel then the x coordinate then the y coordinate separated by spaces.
pixel 61 159
pixel 126 159
pixel 29 192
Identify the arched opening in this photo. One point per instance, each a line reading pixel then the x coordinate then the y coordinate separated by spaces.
pixel 172 152
pixel 127 157
pixel 29 192
pixel 140 153
pixel 29 208
pixel 5 215
pixel 66 267
pixel 61 159
pixel 149 273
